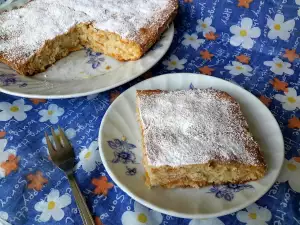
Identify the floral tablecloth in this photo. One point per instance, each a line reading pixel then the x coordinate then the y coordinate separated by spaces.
pixel 254 43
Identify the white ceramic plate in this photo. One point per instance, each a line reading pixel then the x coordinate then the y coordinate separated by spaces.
pixel 82 73
pixel 123 159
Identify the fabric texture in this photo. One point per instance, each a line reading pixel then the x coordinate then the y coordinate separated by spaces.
pixel 254 44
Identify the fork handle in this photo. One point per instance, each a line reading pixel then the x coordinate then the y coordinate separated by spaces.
pixel 80 201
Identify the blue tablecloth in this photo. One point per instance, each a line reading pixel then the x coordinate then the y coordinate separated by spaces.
pixel 252 43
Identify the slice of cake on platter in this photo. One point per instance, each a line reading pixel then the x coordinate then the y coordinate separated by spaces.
pixel 35 36
pixel 194 138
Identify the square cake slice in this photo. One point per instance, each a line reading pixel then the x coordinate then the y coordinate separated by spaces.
pixel 194 138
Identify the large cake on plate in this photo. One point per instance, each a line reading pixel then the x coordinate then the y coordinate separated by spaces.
pixel 35 36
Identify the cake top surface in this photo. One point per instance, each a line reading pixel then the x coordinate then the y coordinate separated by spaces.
pixel 24 30
pixel 195 127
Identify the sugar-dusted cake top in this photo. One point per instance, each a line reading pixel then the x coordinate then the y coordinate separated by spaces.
pixel 194 127
pixel 25 30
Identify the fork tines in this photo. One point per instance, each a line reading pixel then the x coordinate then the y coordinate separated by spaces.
pixel 60 141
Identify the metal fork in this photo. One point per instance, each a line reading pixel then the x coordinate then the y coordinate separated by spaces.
pixel 63 156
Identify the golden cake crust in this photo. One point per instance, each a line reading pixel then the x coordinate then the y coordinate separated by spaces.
pixel 86 34
pixel 215 171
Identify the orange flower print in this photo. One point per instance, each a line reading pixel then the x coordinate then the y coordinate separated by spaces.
pixel 294 123
pixel 114 95
pixel 11 164
pixel 211 36
pixel 37 101
pixel 188 1
pixel 206 70
pixel 265 100
pixel 36 181
pixel 297 159
pixel 102 186
pixel 291 54
pixel 279 85
pixel 98 221
pixel 206 55
pixel 244 3
pixel 243 59
pixel 2 134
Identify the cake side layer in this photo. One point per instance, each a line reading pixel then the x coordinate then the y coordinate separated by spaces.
pixel 28 32
pixel 78 37
pixel 212 173
pixel 143 145
pixel 52 51
pixel 195 127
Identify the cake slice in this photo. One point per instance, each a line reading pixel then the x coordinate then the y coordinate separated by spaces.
pixel 194 138
pixel 35 36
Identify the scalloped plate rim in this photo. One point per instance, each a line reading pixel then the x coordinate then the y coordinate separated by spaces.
pixel 96 91
pixel 175 213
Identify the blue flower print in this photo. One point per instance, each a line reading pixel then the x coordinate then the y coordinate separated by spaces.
pixel 122 151
pixel 130 171
pixel 95 58
pixel 11 79
pixel 120 145
pixel 192 86
pixel 124 157
pixel 227 191
pixel 8 80
pixel 239 187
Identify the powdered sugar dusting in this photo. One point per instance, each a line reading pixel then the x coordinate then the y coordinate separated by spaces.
pixel 194 127
pixel 23 31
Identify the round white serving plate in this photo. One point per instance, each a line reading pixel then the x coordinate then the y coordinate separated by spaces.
pixel 123 159
pixel 82 73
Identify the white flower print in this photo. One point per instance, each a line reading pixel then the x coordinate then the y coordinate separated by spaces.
pixel 254 215
pixel 298 3
pixel 141 216
pixel 4 155
pixel 279 67
pixel 279 28
pixel 4 218
pixel 53 206
pixel 192 40
pixel 174 63
pixel 290 101
pixel 89 158
pixel 70 133
pixel 17 110
pixel 238 68
pixel 205 26
pixel 290 172
pixel 212 221
pixel 3 215
pixel 51 114
pixel 244 34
